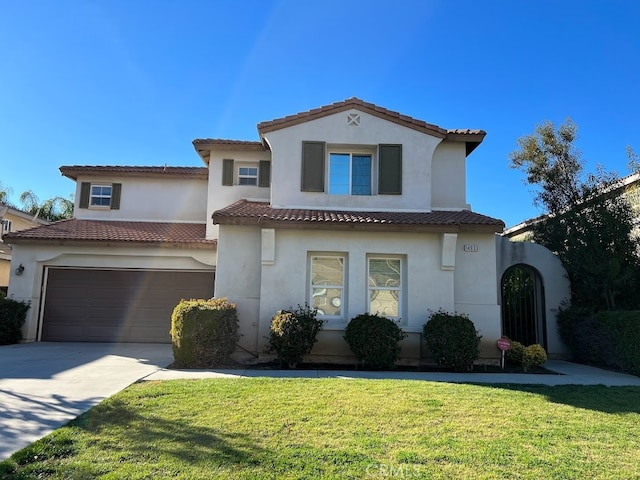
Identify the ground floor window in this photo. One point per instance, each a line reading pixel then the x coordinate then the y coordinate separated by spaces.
pixel 385 286
pixel 327 285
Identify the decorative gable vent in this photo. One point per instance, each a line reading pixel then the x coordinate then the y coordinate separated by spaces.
pixel 353 119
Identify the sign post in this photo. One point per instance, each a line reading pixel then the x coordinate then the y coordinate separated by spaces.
pixel 503 344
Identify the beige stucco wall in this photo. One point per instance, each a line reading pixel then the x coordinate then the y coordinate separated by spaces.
pixel 220 196
pixel 448 177
pixel 150 198
pixel 417 150
pixel 36 258
pixel 246 275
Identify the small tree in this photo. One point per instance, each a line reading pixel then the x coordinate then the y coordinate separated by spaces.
pixel 589 221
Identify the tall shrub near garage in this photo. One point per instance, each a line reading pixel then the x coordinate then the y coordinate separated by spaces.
pixel 12 316
pixel 203 332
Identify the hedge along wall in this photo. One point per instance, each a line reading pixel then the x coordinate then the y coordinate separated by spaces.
pixel 610 339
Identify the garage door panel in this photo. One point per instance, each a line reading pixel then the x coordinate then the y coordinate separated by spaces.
pixel 117 305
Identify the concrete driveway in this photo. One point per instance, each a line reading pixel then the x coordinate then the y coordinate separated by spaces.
pixel 45 385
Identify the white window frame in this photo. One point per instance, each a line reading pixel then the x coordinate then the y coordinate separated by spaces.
pixel 343 288
pixel 351 152
pixel 92 196
pixel 6 225
pixel 255 177
pixel 399 289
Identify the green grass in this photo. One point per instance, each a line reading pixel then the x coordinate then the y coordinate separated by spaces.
pixel 336 428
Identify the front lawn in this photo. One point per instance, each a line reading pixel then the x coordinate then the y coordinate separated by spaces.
pixel 340 428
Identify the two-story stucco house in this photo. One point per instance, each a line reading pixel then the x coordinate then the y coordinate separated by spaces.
pixel 350 207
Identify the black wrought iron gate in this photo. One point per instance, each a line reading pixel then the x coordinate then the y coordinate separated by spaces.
pixel 523 318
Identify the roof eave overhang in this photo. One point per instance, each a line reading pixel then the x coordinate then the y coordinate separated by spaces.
pixel 204 149
pixel 202 245
pixel 405 121
pixel 363 227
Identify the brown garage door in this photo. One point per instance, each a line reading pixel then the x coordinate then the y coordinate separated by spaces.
pixel 88 305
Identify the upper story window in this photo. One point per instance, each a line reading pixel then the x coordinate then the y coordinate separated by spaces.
pixel 349 174
pixel 246 173
pixel 352 172
pixel 6 226
pixel 100 195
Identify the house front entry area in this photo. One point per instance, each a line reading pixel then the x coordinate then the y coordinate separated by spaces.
pixel 93 305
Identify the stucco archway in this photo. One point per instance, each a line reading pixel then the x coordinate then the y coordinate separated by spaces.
pixel 554 289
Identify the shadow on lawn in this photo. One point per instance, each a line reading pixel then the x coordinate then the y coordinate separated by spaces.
pixel 592 397
pixel 150 437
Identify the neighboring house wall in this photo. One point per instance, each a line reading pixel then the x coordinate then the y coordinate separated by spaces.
pixel 557 289
pixel 417 151
pixel 148 199
pixel 36 257
pixel 13 221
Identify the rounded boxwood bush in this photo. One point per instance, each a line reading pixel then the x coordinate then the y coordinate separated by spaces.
pixel 293 334
pixel 203 332
pixel 374 340
pixel 452 339
pixel 534 356
pixel 516 353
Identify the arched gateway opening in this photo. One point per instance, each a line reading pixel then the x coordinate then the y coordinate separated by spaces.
pixel 523 309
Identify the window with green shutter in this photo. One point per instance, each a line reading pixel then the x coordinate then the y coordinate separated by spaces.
pixel 390 169
pixel 313 166
pixel 227 172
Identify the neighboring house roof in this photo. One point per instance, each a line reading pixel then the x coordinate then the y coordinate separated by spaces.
pixel 472 138
pixel 24 215
pixel 83 231
pixel 246 212
pixel 621 185
pixel 73 171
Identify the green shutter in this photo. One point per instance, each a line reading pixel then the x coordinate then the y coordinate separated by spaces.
pixel 85 190
pixel 313 166
pixel 264 173
pixel 116 190
pixel 390 170
pixel 227 172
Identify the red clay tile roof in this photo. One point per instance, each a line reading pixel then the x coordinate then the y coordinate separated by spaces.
pixel 371 109
pixel 245 212
pixel 221 143
pixel 72 171
pixel 152 233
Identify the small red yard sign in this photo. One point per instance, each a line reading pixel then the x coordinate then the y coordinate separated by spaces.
pixel 504 344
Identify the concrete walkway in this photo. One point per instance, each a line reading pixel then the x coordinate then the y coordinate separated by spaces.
pixel 45 385
pixel 568 374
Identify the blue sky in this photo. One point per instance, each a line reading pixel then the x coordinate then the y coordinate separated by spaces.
pixel 110 82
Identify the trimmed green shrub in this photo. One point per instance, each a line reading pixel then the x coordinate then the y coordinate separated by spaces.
pixel 515 353
pixel 452 339
pixel 534 356
pixel 607 339
pixel 374 340
pixel 293 334
pixel 203 332
pixel 12 316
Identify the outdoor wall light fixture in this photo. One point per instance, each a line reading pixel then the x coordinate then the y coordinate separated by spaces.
pixel 19 270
